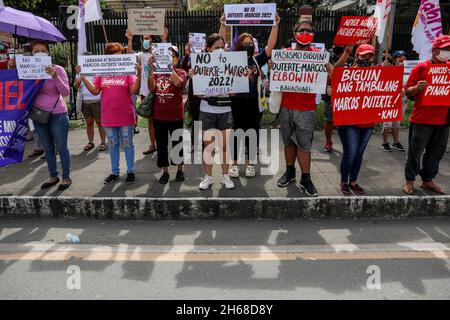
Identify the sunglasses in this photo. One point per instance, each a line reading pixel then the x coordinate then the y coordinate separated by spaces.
pixel 304 30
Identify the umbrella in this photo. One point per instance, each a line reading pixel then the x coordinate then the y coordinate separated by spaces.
pixel 26 24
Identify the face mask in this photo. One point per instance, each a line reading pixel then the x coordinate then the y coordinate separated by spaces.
pixel 444 56
pixel 363 63
pixel 250 48
pixel 304 38
pixel 146 44
pixel 40 54
pixel 219 50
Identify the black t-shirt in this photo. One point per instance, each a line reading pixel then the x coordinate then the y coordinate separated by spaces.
pixel 261 60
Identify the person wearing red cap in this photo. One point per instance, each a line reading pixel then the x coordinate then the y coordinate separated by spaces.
pixel 354 138
pixel 429 125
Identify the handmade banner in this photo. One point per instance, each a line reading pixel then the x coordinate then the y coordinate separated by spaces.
pixel 146 21
pixel 408 65
pixel 197 42
pixel 299 71
pixel 220 73
pixel 367 95
pixel 107 65
pixel 33 67
pixel 163 58
pixel 355 30
pixel 437 93
pixel 262 14
pixel 16 98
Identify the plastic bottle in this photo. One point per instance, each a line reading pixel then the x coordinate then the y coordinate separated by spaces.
pixel 72 238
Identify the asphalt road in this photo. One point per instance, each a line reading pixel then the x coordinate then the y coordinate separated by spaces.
pixel 225 259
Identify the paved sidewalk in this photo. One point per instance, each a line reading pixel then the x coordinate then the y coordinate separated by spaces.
pixel 381 174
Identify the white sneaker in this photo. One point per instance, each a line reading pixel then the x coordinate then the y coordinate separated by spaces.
pixel 206 183
pixel 250 171
pixel 226 181
pixel 234 171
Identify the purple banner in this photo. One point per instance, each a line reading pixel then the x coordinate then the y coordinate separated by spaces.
pixel 16 99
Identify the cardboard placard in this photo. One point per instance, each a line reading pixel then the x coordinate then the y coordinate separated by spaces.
pixel 197 42
pixel 262 14
pixel 107 65
pixel 33 67
pixel 163 58
pixel 146 21
pixel 355 30
pixel 367 95
pixel 437 92
pixel 220 73
pixel 299 71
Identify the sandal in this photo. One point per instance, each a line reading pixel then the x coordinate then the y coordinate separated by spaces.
pixel 434 189
pixel 150 150
pixel 36 153
pixel 408 191
pixel 102 147
pixel 89 146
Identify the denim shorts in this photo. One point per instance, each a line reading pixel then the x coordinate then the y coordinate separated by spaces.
pixel 297 127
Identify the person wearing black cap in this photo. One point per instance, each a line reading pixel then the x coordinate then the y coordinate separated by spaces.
pixel 398 59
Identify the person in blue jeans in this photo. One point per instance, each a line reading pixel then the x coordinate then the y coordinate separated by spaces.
pixel 53 135
pixel 354 138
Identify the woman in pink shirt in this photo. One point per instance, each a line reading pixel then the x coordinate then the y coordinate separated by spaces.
pixel 118 116
pixel 53 134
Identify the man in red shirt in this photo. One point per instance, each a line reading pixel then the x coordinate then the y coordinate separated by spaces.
pixel 429 128
pixel 297 119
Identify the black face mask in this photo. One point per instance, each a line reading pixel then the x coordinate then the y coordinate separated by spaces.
pixel 363 63
pixel 250 48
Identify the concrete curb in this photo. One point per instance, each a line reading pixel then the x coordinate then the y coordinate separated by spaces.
pixel 386 207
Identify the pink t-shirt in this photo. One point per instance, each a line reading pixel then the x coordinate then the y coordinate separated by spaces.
pixel 117 103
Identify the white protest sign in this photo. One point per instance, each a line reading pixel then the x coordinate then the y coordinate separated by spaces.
pixel 163 58
pixel 107 65
pixel 299 71
pixel 197 42
pixel 262 14
pixel 408 65
pixel 33 67
pixel 146 21
pixel 318 45
pixel 220 73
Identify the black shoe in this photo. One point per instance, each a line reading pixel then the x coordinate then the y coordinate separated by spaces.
pixel 111 178
pixel 308 187
pixel 386 147
pixel 180 176
pixel 345 189
pixel 397 146
pixel 130 178
pixel 164 178
pixel 286 179
pixel 63 187
pixel 49 184
pixel 136 130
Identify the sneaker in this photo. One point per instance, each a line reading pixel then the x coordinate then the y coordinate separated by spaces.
pixel 345 189
pixel 111 178
pixel 226 181
pixel 328 147
pixel 164 179
pixel 308 187
pixel 357 189
pixel 397 146
pixel 250 171
pixel 286 179
pixel 136 130
pixel 130 178
pixel 206 182
pixel 234 171
pixel 386 147
pixel 180 176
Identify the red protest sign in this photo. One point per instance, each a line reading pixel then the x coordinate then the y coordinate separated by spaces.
pixel 355 30
pixel 437 93
pixel 367 95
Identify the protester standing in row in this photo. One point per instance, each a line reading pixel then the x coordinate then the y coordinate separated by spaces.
pixel 168 113
pixel 118 115
pixel 429 125
pixel 54 134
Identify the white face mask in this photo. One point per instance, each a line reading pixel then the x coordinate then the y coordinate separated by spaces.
pixel 444 56
pixel 40 54
pixel 219 50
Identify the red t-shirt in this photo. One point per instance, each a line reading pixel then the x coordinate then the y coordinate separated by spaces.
pixel 168 103
pixel 422 114
pixel 299 101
